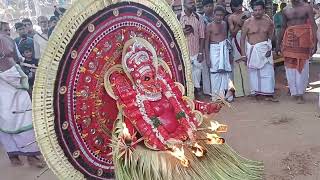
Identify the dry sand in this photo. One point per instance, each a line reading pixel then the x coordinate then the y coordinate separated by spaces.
pixel 284 135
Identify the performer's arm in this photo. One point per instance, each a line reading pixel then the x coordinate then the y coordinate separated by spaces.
pixel 244 33
pixel 207 108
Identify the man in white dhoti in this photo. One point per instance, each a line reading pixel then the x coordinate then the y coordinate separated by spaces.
pixel 258 31
pixel 16 131
pixel 218 53
pixel 194 28
pixel 240 72
pixel 41 40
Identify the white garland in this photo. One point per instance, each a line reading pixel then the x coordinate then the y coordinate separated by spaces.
pixel 139 100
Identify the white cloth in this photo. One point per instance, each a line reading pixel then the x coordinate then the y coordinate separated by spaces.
pixel 256 54
pixel 220 69
pixel 196 70
pixel 20 144
pixel 219 57
pixel 297 81
pixel 15 102
pixel 40 44
pixel 262 80
pixel 260 67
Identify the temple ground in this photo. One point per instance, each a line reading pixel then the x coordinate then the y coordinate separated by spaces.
pixel 284 135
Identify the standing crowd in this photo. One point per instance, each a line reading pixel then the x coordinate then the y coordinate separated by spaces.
pixel 232 53
pixel 19 59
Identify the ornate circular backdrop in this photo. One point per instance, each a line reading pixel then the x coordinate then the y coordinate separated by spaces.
pixel 73 114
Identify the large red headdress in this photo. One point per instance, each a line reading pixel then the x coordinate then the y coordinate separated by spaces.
pixel 139 58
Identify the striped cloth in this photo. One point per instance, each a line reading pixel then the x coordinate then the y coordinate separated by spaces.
pixel 194 38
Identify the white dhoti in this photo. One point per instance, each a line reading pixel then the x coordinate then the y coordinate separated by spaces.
pixel 298 81
pixel 260 67
pixel 196 70
pixel 220 70
pixel 15 113
pixel 240 71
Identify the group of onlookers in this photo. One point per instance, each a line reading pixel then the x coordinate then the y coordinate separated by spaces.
pixel 19 59
pixel 232 52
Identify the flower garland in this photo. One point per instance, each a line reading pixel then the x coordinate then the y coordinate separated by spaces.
pixel 138 107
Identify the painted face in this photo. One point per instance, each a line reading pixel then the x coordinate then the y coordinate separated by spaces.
pixel 148 82
pixel 258 11
pixel 208 9
pixel 218 16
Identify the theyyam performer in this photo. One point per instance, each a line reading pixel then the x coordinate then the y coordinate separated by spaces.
pixel 122 102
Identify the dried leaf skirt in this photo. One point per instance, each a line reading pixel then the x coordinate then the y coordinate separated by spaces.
pixel 219 163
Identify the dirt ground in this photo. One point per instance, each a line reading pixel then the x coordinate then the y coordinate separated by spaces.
pixel 283 135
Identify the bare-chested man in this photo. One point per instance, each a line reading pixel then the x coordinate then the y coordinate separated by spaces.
pixel 217 53
pixel 256 49
pixel 240 75
pixel 16 130
pixel 298 38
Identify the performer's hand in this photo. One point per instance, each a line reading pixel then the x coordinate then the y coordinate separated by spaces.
pixel 268 53
pixel 200 57
pixel 213 108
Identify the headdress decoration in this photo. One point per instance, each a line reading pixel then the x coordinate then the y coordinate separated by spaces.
pixel 138 58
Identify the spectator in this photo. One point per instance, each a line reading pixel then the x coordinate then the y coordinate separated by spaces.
pixel 53 21
pixel 278 21
pixel 41 40
pixel 208 18
pixel 23 36
pixel 16 131
pixel 274 8
pixel 58 13
pixel 193 28
pixel 29 65
pixel 29 27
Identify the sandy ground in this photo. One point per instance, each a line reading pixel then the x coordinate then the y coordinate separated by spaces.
pixel 283 135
